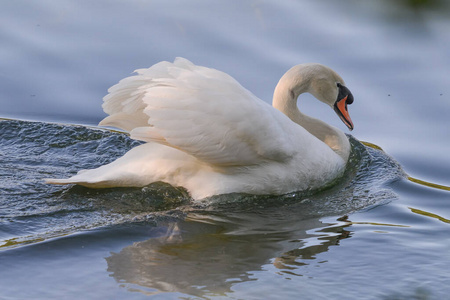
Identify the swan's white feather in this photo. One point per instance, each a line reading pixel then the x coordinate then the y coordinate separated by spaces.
pixel 200 111
pixel 207 133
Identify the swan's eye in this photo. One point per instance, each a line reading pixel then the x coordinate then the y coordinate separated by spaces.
pixel 338 85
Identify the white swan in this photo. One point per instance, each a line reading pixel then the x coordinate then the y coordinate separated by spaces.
pixel 207 133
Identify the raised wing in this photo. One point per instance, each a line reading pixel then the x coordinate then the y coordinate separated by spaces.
pixel 201 111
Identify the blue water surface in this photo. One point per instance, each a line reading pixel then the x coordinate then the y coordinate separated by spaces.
pixel 380 233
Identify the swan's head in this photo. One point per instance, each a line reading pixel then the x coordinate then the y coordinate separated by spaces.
pixel 318 80
pixel 327 86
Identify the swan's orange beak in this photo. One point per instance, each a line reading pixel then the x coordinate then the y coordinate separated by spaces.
pixel 340 107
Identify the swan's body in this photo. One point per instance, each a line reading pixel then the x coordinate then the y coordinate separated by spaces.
pixel 207 133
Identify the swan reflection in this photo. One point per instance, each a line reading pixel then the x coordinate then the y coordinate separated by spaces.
pixel 206 254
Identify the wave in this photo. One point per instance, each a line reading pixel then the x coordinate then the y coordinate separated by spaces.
pixel 31 211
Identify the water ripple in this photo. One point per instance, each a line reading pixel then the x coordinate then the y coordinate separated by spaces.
pixel 31 211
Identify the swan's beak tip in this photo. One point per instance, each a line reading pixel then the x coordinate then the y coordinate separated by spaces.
pixel 350 124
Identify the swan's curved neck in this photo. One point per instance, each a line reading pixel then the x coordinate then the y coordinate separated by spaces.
pixel 287 91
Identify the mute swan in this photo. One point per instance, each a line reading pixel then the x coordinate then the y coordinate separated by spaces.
pixel 207 133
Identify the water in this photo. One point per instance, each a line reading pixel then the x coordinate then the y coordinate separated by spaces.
pixel 378 234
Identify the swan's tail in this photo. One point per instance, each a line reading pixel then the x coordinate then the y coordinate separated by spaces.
pixel 57 181
pixel 134 169
pixel 86 183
